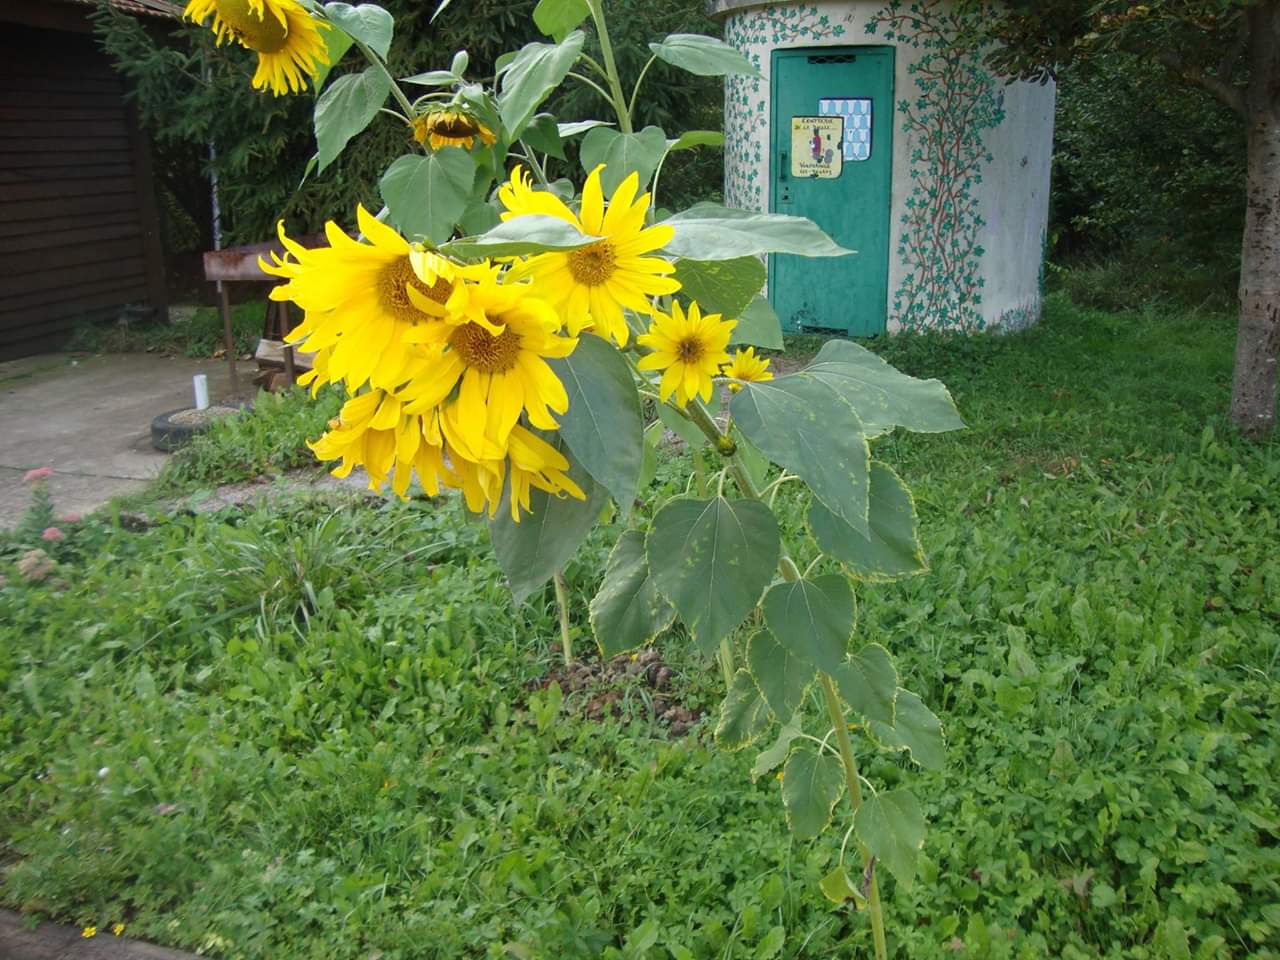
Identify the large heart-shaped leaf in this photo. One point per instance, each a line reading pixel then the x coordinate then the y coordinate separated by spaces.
pixel 346 107
pixel 628 611
pixel 427 195
pixel 890 550
pixel 883 396
pixel 366 22
pixel 914 728
pixel 546 537
pixel 531 75
pixel 744 715
pixel 623 154
pixel 892 827
pixel 811 785
pixel 813 619
pixel 725 287
pixel 603 425
pixel 759 326
pixel 711 559
pixel 708 231
pixel 520 237
pixel 702 55
pixel 696 138
pixel 556 18
pixel 868 681
pixel 783 678
pixel 811 430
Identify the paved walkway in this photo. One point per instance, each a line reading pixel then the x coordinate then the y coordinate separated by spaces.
pixel 89 419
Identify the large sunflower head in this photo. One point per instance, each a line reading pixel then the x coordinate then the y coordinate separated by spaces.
pixel 689 349
pixel 593 284
pixel 487 364
pixel 359 299
pixel 451 128
pixel 531 463
pixel 285 37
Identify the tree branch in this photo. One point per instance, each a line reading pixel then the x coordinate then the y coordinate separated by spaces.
pixel 1225 91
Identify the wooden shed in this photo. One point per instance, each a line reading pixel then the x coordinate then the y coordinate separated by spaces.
pixel 79 233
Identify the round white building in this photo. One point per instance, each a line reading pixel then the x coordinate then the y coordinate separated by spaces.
pixel 870 120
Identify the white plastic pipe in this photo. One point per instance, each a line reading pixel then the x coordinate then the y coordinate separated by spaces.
pixel 201 384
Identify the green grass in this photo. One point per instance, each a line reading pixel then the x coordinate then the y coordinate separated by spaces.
pixel 310 732
pixel 199 335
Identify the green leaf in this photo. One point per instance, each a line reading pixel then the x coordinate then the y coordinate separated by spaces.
pixel 432 78
pixel 811 785
pixel 892 827
pixel 708 231
pixel 628 611
pixel 813 619
pixel 759 326
pixel 744 716
pixel 681 427
pixel 704 56
pixel 890 550
pixel 771 943
pixel 531 76
pixel 575 127
pixel 837 886
pixel 520 237
pixel 345 108
pixel 776 754
pixel 753 460
pixel 696 138
pixel 868 681
pixel 725 287
pixel 805 426
pixel 336 44
pixel 556 18
pixel 915 729
pixel 544 134
pixel 368 23
pixel 427 195
pixel 479 217
pixel 603 425
pixel 712 559
pixel 547 537
pixel 883 396
pixel 782 677
pixel 623 154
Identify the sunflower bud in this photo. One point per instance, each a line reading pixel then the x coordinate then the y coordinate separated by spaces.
pixel 726 447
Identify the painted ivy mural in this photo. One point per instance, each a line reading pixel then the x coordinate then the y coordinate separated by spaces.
pixel 957 101
pixel 746 103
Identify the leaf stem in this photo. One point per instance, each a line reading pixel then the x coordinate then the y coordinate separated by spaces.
pixel 635 91
pixel 377 61
pixel 726 664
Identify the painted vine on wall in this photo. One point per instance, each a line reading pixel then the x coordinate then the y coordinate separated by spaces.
pixel 746 103
pixel 957 101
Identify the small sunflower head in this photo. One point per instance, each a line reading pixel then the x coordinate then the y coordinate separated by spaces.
pixel 451 128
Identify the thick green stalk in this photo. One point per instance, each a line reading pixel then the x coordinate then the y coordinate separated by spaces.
pixel 562 604
pixel 790 572
pixel 376 61
pixel 610 67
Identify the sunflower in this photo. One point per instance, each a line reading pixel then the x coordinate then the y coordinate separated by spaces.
pixel 451 128
pixel 747 368
pixel 531 463
pixel 357 303
pixel 373 431
pixel 487 365
pixel 285 37
pixel 592 285
pixel 690 349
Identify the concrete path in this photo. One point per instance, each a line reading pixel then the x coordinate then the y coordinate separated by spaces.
pixel 51 941
pixel 89 418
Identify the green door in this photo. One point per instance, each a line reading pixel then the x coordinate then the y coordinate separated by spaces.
pixel 831 160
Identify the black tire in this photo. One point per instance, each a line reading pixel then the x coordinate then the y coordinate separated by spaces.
pixel 169 436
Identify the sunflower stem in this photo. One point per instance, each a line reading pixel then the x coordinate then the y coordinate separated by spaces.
pixel 726 664
pixel 562 605
pixel 610 66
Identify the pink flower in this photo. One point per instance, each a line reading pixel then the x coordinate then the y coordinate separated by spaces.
pixel 71 518
pixel 35 565
pixel 39 473
pixel 52 533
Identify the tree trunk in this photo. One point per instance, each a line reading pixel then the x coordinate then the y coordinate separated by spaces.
pixel 1253 395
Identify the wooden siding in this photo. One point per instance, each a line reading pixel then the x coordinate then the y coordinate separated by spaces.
pixel 78 230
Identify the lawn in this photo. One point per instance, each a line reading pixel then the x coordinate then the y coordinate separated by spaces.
pixel 367 761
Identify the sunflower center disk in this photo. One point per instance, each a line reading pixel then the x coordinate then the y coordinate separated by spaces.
pixel 263 34
pixel 690 350
pixel 395 300
pixel 481 350
pixel 593 265
pixel 455 127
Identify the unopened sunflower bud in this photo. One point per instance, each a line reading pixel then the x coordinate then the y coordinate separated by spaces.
pixel 726 447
